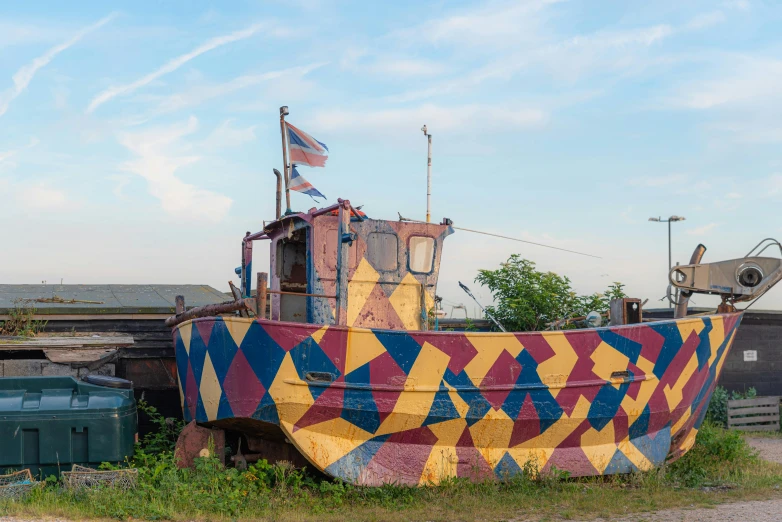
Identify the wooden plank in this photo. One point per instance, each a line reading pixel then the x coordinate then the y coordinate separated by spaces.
pixel 770 427
pixel 753 411
pixel 79 356
pixel 750 420
pixel 758 401
pixel 74 343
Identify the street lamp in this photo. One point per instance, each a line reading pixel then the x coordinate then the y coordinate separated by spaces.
pixel 670 220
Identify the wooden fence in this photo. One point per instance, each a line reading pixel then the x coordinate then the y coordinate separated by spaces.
pixel 759 414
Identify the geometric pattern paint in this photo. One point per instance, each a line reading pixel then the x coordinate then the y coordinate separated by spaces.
pixel 374 406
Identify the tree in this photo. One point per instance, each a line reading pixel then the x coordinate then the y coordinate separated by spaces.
pixel 529 300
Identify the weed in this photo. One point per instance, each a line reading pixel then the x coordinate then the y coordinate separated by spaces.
pixel 280 492
pixel 21 320
pixel 717 411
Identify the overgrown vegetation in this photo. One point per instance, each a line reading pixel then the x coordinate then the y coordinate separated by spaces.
pixel 21 320
pixel 529 300
pixel 720 467
pixel 717 412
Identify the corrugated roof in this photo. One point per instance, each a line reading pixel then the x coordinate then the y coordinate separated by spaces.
pixel 106 299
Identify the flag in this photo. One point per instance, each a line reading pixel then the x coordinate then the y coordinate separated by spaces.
pixel 299 184
pixel 306 150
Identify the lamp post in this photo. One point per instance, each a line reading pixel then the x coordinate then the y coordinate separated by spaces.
pixel 670 220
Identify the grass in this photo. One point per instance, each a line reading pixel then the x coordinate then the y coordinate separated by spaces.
pixel 763 434
pixel 720 468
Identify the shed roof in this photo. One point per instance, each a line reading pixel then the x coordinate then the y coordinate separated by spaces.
pixel 105 299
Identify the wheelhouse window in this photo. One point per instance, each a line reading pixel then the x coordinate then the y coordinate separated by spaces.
pixel 421 254
pixel 383 251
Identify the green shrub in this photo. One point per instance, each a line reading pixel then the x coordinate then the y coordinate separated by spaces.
pixel 717 412
pixel 718 455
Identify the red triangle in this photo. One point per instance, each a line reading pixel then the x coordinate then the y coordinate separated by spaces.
pixel 242 388
pixel 536 345
pixel 204 327
pixel 334 344
pixel 287 335
pixel 527 424
pixel 454 344
pixel 388 381
pixel 327 406
pixel 378 312
pixel 501 378
pixel 572 460
pixel 191 392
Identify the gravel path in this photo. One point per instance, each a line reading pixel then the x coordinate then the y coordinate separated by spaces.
pixel 755 511
pixel 769 449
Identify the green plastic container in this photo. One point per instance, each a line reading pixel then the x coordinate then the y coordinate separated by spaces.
pixel 48 424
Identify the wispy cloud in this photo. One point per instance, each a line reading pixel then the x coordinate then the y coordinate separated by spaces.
pixel 24 75
pixel 227 135
pixel 701 231
pixel 774 185
pixel 744 80
pixel 450 119
pixel 392 66
pixel 203 93
pixel 499 24
pixel 161 153
pixel 41 196
pixel 658 181
pixel 743 5
pixel 173 65
pixel 704 20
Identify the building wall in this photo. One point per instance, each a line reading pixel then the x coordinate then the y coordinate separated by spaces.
pixel 760 331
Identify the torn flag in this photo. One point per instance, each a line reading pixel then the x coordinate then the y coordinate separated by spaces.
pixel 306 150
pixel 299 184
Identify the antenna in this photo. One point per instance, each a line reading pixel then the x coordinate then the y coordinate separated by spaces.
pixel 467 290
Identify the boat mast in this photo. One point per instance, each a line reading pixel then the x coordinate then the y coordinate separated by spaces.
pixel 285 167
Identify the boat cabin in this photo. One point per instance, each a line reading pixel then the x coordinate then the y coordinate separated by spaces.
pixel 337 266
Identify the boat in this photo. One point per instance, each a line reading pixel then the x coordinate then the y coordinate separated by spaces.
pixel 349 372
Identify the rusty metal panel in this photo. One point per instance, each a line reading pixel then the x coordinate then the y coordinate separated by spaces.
pixel 154 373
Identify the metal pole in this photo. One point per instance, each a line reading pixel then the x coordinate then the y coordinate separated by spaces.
pixel 260 296
pixel 670 264
pixel 342 262
pixel 278 207
pixel 285 170
pixel 429 180
pixel 428 174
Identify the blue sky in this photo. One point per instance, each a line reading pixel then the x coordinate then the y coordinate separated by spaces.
pixel 136 145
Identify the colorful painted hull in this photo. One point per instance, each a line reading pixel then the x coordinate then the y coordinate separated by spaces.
pixel 386 406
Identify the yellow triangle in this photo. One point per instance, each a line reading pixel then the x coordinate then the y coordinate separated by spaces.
pixel 293 398
pixel 688 326
pixel 360 286
pixel 237 327
pixel 210 389
pixel 554 372
pixel 326 442
pixel 184 332
pixel 489 346
pixel 363 346
pixel 406 301
pixel 448 432
pixel 317 336
pixel 413 405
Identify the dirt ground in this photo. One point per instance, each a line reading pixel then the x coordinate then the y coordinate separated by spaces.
pixel 761 511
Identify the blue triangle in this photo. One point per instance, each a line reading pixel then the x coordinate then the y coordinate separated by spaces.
pixel 507 468
pixel 358 404
pixel 442 409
